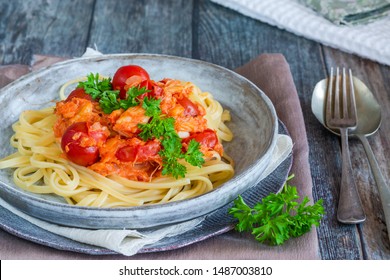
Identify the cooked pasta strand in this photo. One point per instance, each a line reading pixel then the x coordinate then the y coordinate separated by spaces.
pixel 40 166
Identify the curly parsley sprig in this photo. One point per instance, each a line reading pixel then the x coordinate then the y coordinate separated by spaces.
pixel 101 90
pixel 159 127
pixel 95 86
pixel 163 128
pixel 277 217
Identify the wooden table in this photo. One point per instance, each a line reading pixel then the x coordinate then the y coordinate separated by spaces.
pixel 206 31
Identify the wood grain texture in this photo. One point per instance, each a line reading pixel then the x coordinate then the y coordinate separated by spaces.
pixel 34 27
pixel 207 31
pixel 143 27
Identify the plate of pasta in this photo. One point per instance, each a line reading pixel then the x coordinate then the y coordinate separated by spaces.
pixel 131 140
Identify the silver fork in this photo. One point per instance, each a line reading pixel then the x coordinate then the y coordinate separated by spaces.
pixel 341 114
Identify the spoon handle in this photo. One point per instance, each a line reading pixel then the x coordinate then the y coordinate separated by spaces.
pixel 384 190
pixel 350 210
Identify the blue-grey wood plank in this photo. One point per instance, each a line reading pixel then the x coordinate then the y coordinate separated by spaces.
pixel 55 27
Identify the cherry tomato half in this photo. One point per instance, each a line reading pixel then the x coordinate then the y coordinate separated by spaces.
pixel 150 149
pixel 74 143
pixel 79 93
pixel 139 153
pixel 154 91
pixel 206 138
pixel 190 109
pixel 125 72
pixel 127 153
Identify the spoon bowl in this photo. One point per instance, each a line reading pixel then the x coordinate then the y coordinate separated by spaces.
pixel 367 108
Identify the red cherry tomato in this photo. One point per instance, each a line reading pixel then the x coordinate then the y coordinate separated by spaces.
pixel 125 72
pixel 153 90
pixel 157 91
pixel 73 144
pixel 139 153
pixel 98 135
pixel 127 153
pixel 190 109
pixel 150 149
pixel 149 86
pixel 206 138
pixel 79 93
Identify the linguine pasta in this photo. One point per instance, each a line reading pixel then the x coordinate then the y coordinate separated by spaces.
pixel 40 165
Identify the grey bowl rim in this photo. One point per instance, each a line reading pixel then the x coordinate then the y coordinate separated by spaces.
pixel 271 143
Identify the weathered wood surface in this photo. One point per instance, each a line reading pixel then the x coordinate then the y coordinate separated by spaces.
pixel 206 31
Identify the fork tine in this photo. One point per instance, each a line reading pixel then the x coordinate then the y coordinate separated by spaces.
pixel 329 97
pixel 337 95
pixel 344 93
pixel 340 100
pixel 352 96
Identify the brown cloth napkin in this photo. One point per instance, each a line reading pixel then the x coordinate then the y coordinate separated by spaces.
pixel 271 73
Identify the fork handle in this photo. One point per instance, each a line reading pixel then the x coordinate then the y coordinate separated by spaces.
pixel 350 210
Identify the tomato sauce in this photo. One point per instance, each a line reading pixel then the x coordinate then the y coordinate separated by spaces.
pixel 113 138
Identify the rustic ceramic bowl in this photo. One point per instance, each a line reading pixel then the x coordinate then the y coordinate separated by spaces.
pixel 254 124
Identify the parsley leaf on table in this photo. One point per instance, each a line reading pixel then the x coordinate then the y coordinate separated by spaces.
pixel 277 217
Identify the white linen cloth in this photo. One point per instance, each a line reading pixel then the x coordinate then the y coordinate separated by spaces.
pixel 128 242
pixel 370 41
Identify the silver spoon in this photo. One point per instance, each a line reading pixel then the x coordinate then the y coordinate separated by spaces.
pixel 369 120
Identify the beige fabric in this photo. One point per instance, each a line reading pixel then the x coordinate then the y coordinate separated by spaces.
pixel 272 74
pixel 10 73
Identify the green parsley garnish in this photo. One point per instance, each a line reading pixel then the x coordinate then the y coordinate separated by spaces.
pixel 159 127
pixel 277 217
pixel 132 97
pixel 152 107
pixel 193 155
pixel 170 154
pixel 109 101
pixel 108 98
pixel 94 86
pixel 163 128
